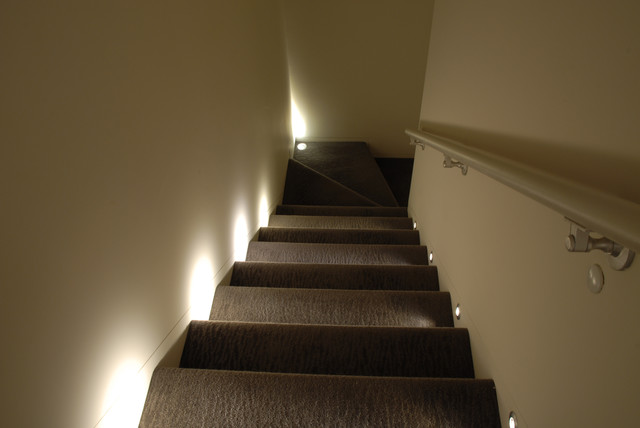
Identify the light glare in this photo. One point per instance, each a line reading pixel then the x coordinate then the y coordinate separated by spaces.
pixel 240 239
pixel 202 289
pixel 125 397
pixel 298 125
pixel 264 212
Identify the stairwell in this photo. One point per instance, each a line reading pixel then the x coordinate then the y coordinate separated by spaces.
pixel 334 319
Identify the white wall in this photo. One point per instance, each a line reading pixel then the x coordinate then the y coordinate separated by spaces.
pixel 357 68
pixel 540 82
pixel 139 140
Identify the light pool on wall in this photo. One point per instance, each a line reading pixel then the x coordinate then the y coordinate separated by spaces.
pixel 298 125
pixel 264 212
pixel 125 396
pixel 201 289
pixel 240 238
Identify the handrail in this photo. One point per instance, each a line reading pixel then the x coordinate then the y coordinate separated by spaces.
pixel 606 214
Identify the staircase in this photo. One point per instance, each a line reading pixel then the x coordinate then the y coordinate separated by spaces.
pixel 334 319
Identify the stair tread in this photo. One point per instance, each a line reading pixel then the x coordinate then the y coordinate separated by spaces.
pixel 339 236
pixel 196 397
pixel 351 164
pixel 328 349
pixel 337 253
pixel 335 276
pixel 341 222
pixel 345 307
pixel 332 210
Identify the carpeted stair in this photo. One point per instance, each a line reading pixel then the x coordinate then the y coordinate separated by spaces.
pixel 350 164
pixel 334 319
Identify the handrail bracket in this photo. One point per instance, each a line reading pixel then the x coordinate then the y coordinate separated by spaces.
pixel 449 163
pixel 580 240
pixel 416 142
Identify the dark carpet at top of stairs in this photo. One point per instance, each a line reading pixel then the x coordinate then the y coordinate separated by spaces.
pixel 339 236
pixel 328 210
pixel 398 173
pixel 337 307
pixel 252 399
pixel 335 276
pixel 305 186
pixel 351 164
pixel 321 349
pixel 337 253
pixel 335 222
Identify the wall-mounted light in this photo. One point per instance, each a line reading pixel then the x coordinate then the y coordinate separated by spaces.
pixel 513 421
pixel 430 256
pixel 301 146
pixel 458 312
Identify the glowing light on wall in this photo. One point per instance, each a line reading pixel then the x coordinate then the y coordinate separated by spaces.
pixel 201 289
pixel 125 397
pixel 240 239
pixel 298 124
pixel 264 212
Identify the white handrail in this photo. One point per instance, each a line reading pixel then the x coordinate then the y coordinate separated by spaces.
pixel 606 214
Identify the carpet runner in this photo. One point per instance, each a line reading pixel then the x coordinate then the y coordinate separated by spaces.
pixel 335 319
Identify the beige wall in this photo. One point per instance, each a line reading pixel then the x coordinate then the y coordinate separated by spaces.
pixel 527 79
pixel 139 140
pixel 540 82
pixel 357 68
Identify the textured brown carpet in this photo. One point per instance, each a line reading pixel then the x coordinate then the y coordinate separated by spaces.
pixel 350 164
pixel 337 253
pixel 339 236
pixel 398 173
pixel 335 222
pixel 252 399
pixel 346 307
pixel 322 349
pixel 331 276
pixel 328 210
pixel 305 186
pixel 334 320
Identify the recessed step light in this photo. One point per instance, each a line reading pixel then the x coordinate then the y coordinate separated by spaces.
pixel 513 421
pixel 301 146
pixel 430 256
pixel 458 312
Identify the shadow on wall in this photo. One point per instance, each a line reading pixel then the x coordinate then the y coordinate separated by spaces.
pixel 600 170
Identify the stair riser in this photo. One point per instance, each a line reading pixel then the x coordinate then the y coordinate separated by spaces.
pixel 333 307
pixel 336 222
pixel 337 253
pixel 312 349
pixel 327 210
pixel 242 399
pixel 344 236
pixel 332 276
